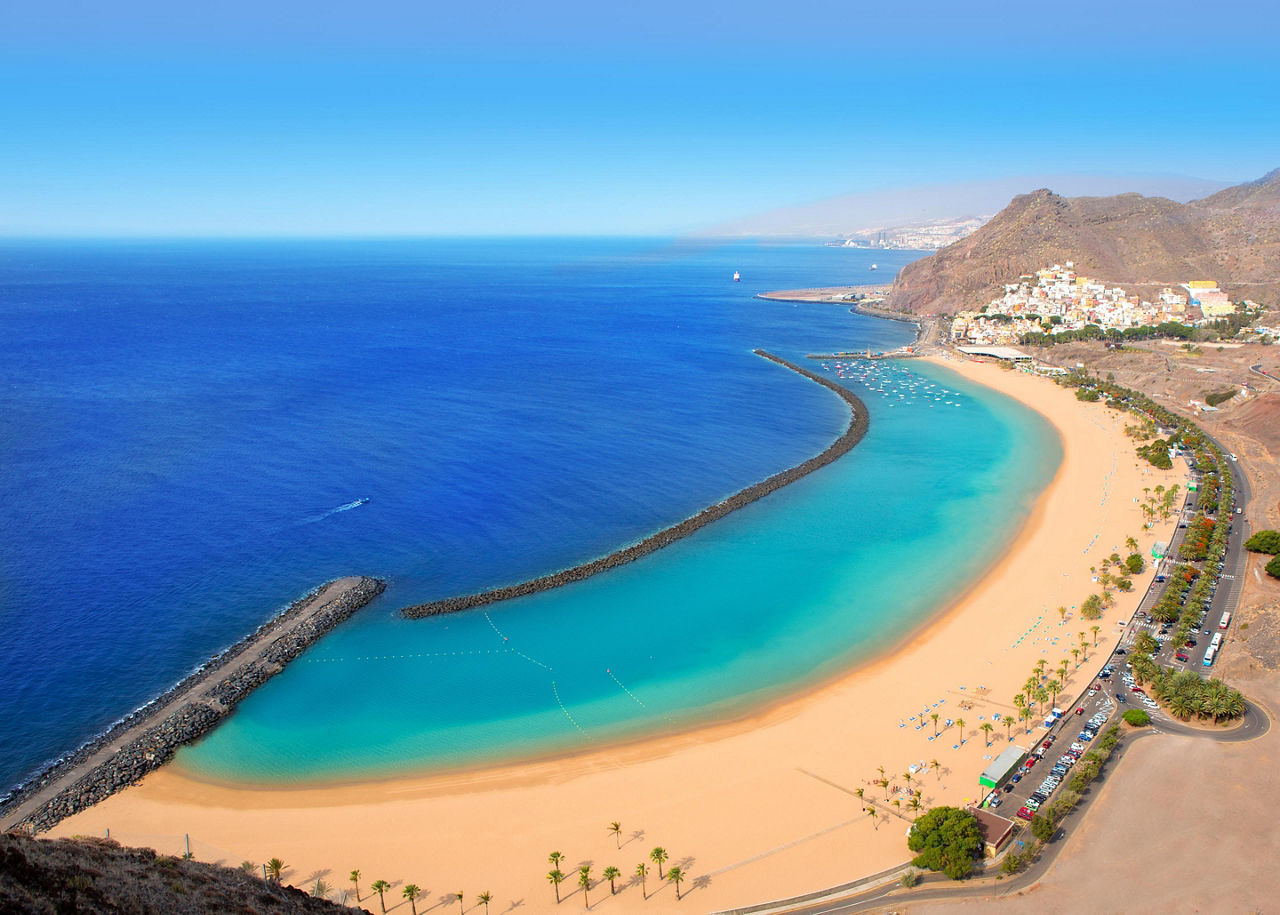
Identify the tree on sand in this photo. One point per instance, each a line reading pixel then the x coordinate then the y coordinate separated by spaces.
pixel 935 717
pixel 411 892
pixel 642 871
pixel 987 728
pixel 380 887
pixel 584 881
pixel 616 828
pixel 275 867
pixel 675 875
pixel 556 876
pixel 611 874
pixel 1096 630
pixel 658 856
pixel 960 725
pixel 355 878
pixel 485 898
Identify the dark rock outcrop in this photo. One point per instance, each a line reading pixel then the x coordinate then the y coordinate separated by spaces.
pixel 101 876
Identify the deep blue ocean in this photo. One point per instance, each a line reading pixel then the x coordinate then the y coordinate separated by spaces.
pixel 185 429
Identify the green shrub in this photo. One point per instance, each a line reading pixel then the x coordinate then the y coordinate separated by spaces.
pixel 1136 717
pixel 946 839
pixel 1264 542
pixel 1273 567
pixel 1214 399
pixel 1135 563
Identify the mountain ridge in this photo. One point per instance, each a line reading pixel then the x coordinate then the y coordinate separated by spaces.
pixel 1231 236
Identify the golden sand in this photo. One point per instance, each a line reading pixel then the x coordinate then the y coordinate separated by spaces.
pixel 754 809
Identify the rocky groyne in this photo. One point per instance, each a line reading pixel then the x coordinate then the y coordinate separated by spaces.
pixel 853 433
pixel 146 739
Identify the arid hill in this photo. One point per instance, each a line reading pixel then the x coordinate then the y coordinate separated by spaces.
pixel 1232 236
pixel 98 875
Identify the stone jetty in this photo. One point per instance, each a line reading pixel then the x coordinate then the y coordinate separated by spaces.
pixel 148 738
pixel 854 432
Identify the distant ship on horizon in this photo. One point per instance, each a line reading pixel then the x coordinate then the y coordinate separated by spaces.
pixel 873 267
pixel 737 277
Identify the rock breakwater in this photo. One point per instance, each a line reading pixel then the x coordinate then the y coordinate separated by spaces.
pixel 135 745
pixel 856 429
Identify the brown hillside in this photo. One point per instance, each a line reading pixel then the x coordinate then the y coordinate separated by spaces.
pixel 100 876
pixel 1232 236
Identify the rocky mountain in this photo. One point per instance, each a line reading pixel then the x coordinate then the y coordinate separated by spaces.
pixel 99 875
pixel 1232 236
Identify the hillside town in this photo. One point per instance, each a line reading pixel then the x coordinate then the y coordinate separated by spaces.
pixel 1057 299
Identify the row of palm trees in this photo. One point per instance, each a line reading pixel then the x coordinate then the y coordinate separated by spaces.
pixel 658 856
pixel 411 892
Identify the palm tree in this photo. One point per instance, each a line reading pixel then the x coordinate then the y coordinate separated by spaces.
pixel 987 728
pixel 611 874
pixel 1008 724
pixel 658 856
pixel 584 881
pixel 1054 687
pixel 1042 696
pixel 898 805
pixel 960 725
pixel 248 868
pixel 914 803
pixel 884 783
pixel 1075 653
pixel 675 875
pixel 616 828
pixel 460 896
pixel 556 878
pixel 1041 665
pixel 355 878
pixel 860 792
pixel 936 767
pixel 486 897
pixel 907 777
pixel 274 867
pixel 871 812
pixel 1029 688
pixel 935 717
pixel 412 892
pixel 1025 714
pixel 380 887
pixel 1132 544
pixel 555 858
pixel 1096 630
pixel 320 890
pixel 642 871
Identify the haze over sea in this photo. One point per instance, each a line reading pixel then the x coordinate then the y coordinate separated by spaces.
pixel 186 430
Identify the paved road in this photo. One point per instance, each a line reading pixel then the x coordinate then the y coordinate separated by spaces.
pixel 938 887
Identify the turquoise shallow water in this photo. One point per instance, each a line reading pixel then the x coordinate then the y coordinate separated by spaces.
pixel 780 595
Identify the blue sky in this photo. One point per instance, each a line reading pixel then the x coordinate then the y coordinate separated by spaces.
pixel 566 118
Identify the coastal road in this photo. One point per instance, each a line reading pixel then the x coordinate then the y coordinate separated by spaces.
pixel 936 887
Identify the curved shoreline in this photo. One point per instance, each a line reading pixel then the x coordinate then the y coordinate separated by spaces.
pixel 133 746
pixel 853 433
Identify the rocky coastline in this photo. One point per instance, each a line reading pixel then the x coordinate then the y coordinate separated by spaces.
pixel 857 428
pixel 206 698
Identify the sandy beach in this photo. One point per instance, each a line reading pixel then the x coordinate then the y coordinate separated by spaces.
pixel 754 809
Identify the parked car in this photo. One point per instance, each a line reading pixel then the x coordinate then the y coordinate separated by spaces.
pixel 1120 697
pixel 1026 813
pixel 1121 651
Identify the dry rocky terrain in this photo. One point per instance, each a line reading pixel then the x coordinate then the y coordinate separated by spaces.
pixel 1232 237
